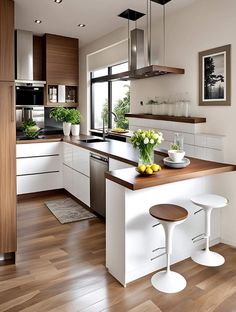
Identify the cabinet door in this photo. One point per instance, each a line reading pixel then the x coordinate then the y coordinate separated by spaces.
pixel 68 179
pixel 81 160
pixel 62 55
pixel 7 40
pixel 81 187
pixel 7 169
pixel 67 154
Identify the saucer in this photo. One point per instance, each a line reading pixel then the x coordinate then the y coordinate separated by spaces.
pixel 170 163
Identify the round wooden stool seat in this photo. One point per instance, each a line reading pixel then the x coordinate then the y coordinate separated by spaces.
pixel 168 212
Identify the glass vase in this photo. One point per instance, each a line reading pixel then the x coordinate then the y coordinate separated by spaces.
pixel 146 156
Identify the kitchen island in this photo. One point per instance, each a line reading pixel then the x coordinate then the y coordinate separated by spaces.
pixel 132 237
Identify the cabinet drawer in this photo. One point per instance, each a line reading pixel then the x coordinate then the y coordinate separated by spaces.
pixel 38 164
pixel 67 154
pixel 39 182
pixel 80 160
pixel 81 187
pixel 37 149
pixel 68 179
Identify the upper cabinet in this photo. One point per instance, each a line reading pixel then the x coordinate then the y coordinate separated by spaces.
pixel 62 58
pixel 7 40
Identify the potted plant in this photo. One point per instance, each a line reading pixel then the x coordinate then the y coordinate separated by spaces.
pixel 145 142
pixel 30 129
pixel 62 114
pixel 75 117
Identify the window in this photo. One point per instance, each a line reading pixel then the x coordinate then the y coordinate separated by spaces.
pixel 107 97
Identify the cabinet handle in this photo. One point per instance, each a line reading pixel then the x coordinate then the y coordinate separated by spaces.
pixel 12 104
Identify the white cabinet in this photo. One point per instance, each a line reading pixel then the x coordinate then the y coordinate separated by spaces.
pixel 76 172
pixel 116 164
pixel 80 160
pixel 38 149
pixel 38 164
pixel 81 187
pixel 38 167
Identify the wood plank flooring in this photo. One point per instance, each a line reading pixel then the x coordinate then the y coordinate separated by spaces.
pixel 61 268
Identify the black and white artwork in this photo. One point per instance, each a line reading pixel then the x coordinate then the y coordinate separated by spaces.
pixel 215 76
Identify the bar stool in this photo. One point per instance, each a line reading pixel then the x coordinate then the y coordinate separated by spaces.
pixel 169 216
pixel 207 202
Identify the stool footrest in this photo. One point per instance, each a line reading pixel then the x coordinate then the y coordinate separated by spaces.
pixel 164 253
pixel 154 250
pixel 199 237
pixel 198 211
pixel 156 224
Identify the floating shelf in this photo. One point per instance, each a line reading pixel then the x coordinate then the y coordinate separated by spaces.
pixel 192 120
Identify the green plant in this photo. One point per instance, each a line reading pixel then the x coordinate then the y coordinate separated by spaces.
pixel 27 123
pixel 174 147
pixel 59 114
pixel 74 116
pixel 32 132
pixel 121 108
pixel 30 129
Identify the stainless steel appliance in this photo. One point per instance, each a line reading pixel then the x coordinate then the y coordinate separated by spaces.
pixel 24 113
pixel 98 166
pixel 24 57
pixel 29 94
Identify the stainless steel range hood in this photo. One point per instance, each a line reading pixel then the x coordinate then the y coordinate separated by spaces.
pixel 136 50
pixel 24 59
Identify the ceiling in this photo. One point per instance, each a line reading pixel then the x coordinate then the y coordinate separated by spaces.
pixel 100 16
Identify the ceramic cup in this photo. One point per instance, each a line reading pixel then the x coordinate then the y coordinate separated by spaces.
pixel 176 155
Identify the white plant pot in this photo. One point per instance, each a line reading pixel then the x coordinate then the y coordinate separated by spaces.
pixel 75 130
pixel 66 128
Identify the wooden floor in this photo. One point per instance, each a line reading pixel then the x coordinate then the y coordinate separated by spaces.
pixel 61 268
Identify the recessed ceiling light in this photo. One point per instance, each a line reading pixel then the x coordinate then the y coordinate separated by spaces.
pixel 38 21
pixel 81 25
pixel 58 1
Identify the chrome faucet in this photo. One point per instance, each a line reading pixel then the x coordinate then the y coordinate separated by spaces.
pixel 104 132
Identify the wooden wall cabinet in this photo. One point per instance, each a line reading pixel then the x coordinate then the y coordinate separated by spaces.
pixel 7 40
pixel 8 133
pixel 7 168
pixel 62 60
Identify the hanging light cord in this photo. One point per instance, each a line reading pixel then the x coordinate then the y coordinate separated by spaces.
pixel 164 34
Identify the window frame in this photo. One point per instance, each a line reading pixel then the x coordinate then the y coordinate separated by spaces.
pixel 109 98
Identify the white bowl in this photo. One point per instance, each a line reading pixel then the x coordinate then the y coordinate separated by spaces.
pixel 176 155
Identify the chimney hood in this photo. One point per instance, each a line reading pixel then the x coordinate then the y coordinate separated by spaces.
pixel 24 59
pixel 136 50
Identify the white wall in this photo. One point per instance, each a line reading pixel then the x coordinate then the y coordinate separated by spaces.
pixel 96 55
pixel 205 24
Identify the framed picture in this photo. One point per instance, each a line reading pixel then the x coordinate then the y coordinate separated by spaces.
pixel 215 77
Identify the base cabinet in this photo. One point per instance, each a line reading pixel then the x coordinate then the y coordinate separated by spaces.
pixel 38 167
pixel 77 184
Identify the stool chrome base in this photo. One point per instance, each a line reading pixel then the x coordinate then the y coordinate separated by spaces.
pixel 208 258
pixel 168 281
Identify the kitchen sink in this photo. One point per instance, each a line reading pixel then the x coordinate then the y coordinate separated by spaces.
pixel 93 141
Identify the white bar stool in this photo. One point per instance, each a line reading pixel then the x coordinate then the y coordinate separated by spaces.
pixel 208 202
pixel 169 216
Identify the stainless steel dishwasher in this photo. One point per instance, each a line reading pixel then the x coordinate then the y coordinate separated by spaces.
pixel 98 166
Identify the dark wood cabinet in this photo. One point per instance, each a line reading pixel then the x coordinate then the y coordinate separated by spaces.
pixel 38 58
pixel 6 40
pixel 7 168
pixel 62 55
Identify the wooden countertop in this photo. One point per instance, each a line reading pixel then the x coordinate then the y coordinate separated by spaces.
pixel 130 179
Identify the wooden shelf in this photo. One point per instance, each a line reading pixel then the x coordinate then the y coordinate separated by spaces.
pixel 193 120
pixel 62 104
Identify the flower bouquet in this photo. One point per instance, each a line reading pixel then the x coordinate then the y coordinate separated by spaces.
pixel 145 142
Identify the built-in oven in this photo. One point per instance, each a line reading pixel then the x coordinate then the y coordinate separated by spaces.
pixel 29 94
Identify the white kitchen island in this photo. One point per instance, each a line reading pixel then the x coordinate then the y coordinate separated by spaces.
pixel 131 234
